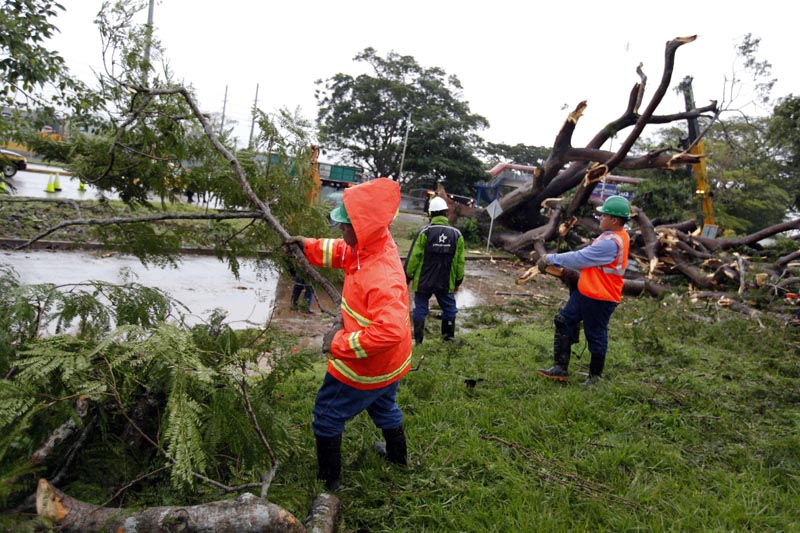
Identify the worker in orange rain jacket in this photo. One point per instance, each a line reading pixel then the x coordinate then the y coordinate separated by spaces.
pixel 372 350
pixel 602 265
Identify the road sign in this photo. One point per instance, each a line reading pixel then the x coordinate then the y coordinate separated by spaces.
pixel 494 209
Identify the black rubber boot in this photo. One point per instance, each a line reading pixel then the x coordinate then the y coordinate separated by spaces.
pixel 596 365
pixel 394 449
pixel 448 329
pixel 561 352
pixel 576 335
pixel 419 331
pixel 329 460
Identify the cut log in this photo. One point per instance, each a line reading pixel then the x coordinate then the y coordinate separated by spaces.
pixel 247 513
pixel 324 512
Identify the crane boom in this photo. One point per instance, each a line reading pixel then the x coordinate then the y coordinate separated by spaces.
pixel 702 187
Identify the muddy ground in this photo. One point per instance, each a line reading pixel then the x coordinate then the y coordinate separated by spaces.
pixel 487 282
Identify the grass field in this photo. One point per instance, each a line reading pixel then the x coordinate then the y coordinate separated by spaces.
pixel 694 429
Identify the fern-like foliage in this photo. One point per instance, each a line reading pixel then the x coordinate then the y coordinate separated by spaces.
pixel 183 433
pixel 196 400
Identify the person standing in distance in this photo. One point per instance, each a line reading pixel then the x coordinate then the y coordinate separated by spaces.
pixel 435 266
pixel 369 349
pixel 602 265
pixel 300 285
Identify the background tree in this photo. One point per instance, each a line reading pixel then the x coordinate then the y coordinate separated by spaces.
pixel 366 117
pixel 33 76
pixel 748 192
pixel 519 154
pixel 783 135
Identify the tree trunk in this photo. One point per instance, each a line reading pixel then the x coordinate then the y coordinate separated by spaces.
pixel 247 513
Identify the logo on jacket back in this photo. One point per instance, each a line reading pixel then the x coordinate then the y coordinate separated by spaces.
pixel 442 243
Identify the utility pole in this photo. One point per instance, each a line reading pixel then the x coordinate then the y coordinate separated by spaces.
pixel 405 143
pixel 253 122
pixel 224 105
pixel 148 42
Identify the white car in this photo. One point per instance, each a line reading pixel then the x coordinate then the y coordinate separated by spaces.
pixel 11 162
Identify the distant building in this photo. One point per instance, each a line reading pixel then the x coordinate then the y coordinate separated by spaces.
pixel 613 185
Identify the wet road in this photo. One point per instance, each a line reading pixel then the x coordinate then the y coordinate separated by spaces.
pixel 200 283
pixel 33 183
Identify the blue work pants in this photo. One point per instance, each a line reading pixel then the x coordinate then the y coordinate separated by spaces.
pixel 595 315
pixel 447 301
pixel 337 403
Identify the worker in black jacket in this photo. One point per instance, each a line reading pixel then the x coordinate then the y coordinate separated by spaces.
pixel 435 265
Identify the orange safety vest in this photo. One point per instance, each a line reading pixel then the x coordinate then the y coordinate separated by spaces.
pixel 605 282
pixel 374 347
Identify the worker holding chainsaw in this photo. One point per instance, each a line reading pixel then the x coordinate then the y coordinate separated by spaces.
pixel 602 266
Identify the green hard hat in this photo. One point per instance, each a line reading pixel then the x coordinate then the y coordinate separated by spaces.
pixel 339 214
pixel 616 206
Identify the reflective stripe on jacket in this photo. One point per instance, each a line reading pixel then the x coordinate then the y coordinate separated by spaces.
pixel 374 347
pixel 605 282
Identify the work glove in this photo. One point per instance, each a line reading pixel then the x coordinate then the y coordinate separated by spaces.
pixel 295 239
pixel 541 264
pixel 327 340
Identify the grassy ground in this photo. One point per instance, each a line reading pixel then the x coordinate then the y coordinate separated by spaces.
pixel 694 429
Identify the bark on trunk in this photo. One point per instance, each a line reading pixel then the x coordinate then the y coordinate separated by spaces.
pixel 247 513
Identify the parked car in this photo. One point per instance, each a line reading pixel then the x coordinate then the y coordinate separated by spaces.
pixel 11 162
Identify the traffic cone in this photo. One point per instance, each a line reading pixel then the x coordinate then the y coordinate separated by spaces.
pixel 2 186
pixel 56 184
pixel 50 187
pixel 81 186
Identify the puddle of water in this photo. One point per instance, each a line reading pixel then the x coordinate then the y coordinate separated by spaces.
pixel 466 298
pixel 199 283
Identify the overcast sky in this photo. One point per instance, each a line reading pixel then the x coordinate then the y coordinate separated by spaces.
pixel 523 65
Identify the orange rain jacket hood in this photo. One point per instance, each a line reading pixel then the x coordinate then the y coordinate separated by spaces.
pixel 374 347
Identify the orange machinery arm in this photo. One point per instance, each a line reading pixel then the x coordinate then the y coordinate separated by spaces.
pixel 703 189
pixel 313 194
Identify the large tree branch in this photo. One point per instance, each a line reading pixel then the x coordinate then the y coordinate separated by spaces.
pixel 747 240
pixel 133 220
pixel 595 173
pixel 553 180
pixel 241 179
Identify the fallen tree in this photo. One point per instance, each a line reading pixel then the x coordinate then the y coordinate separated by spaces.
pixel 550 209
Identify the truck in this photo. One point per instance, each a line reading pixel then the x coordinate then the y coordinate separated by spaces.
pixel 334 179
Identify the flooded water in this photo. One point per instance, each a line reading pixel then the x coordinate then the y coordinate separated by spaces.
pixel 34 183
pixel 199 283
pixel 466 298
